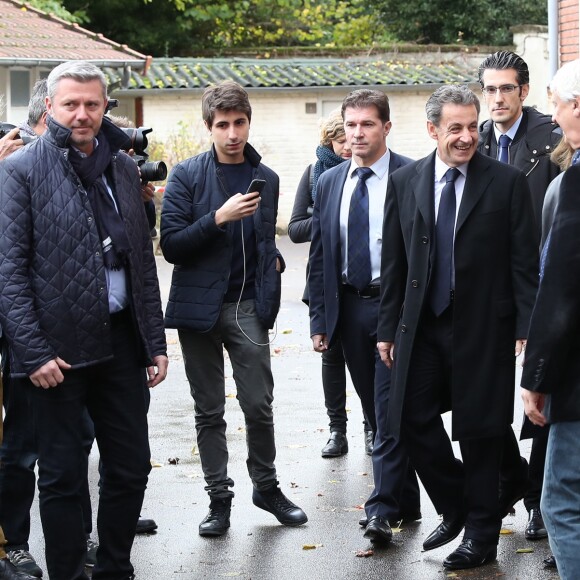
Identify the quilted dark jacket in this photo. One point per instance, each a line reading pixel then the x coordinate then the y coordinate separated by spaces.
pixel 202 251
pixel 53 291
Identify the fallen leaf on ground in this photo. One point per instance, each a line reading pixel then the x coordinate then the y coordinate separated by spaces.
pixel 231 396
pixel 524 550
pixel 156 463
pixel 292 484
pixel 277 350
pixel 311 546
pixel 173 460
pixel 194 450
pixel 360 507
pixel 505 532
pixel 396 530
pixel 287 331
pixel 362 473
pixel 364 553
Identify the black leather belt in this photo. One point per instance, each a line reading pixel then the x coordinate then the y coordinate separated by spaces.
pixel 120 317
pixel 367 292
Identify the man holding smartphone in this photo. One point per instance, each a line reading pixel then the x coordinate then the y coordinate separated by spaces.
pixel 225 293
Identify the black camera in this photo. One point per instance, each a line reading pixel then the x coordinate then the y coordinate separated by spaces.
pixel 137 140
pixel 5 128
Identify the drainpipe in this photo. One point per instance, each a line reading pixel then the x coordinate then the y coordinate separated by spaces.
pixel 553 38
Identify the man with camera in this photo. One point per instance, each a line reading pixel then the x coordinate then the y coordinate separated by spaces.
pixel 225 292
pixel 81 311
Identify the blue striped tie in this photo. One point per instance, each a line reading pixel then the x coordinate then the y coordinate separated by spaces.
pixel 358 254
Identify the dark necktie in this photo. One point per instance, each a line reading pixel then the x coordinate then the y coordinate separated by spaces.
pixel 441 283
pixel 358 253
pixel 504 143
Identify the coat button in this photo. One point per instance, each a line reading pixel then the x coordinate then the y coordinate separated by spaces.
pixel 424 239
pixel 415 284
pixel 535 151
pixel 548 147
pixel 403 328
pixel 532 160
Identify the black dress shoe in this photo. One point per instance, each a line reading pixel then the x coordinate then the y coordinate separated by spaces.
pixel 9 571
pixel 470 554
pixel 550 562
pixel 535 529
pixel 446 531
pixel 337 445
pixel 369 442
pixel 145 526
pixel 217 521
pixel 378 530
pixel 274 501
pixel 404 518
pixel 512 492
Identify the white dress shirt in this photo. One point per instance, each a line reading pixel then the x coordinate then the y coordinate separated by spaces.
pixel 377 188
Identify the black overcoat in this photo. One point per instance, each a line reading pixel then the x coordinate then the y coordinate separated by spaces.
pixel 552 363
pixel 496 273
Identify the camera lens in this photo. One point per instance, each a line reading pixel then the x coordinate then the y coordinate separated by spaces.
pixel 153 171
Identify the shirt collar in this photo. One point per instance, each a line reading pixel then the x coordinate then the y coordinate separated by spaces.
pixel 511 132
pixel 379 167
pixel 81 153
pixel 441 169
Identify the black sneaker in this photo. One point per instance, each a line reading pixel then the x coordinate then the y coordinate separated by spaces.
pixel 92 548
pixel 24 562
pixel 217 521
pixel 274 501
pixel 8 571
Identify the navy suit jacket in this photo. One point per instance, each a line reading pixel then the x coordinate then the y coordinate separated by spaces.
pixel 325 275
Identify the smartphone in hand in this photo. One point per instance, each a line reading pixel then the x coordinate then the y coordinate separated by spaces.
pixel 256 185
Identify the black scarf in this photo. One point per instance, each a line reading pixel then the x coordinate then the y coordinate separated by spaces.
pixel 327 158
pixel 90 170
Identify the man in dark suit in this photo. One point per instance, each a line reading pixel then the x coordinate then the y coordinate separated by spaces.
pixel 524 138
pixel 458 281
pixel 344 292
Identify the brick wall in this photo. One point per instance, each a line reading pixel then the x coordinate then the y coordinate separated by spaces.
pixel 568 19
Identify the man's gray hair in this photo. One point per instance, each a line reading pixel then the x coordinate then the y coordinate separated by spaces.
pixel 37 103
pixel 566 81
pixel 77 70
pixel 453 94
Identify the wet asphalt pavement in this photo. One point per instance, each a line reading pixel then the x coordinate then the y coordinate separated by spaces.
pixel 331 491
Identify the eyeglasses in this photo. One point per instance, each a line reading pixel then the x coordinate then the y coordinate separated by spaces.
pixel 504 90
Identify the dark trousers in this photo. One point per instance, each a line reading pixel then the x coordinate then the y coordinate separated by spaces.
pixel 511 466
pixel 18 457
pixel 334 385
pixel 472 488
pixel 536 471
pixel 116 396
pixel 396 486
pixel 203 356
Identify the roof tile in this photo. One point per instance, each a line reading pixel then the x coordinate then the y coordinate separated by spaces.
pixel 30 34
pixel 198 73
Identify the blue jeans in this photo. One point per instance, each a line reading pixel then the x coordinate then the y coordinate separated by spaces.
pixel 561 497
pixel 204 366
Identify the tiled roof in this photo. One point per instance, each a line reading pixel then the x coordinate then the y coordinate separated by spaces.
pixel 29 36
pixel 192 73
